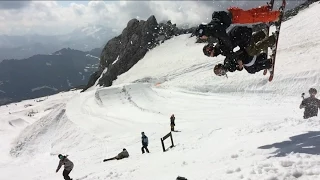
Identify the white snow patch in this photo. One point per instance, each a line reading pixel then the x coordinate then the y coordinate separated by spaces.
pixel 89 55
pixel 116 60
pixel 44 87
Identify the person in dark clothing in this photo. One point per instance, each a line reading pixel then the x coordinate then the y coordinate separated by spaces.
pixel 68 166
pixel 249 55
pixel 181 178
pixel 123 154
pixel 310 104
pixel 257 63
pixel 145 142
pixel 240 36
pixel 172 124
pixel 221 20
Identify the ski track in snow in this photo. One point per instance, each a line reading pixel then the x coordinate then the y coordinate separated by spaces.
pixel 243 127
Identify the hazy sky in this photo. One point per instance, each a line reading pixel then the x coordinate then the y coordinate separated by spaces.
pixel 56 17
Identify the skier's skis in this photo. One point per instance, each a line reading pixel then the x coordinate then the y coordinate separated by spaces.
pixel 278 26
pixel 267 31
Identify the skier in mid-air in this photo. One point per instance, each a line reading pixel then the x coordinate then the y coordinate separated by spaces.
pixel 221 20
pixel 249 55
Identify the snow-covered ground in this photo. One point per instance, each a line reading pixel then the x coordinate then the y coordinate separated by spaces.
pixel 243 127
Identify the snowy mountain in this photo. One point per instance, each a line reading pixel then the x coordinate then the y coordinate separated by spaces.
pixel 43 75
pixel 84 39
pixel 240 127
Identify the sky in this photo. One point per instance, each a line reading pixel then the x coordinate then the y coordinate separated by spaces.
pixel 60 17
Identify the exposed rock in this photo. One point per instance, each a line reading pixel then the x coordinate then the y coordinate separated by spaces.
pixel 125 50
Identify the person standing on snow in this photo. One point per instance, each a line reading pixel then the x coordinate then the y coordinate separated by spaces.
pixel 144 141
pixel 172 124
pixel 68 166
pixel 310 104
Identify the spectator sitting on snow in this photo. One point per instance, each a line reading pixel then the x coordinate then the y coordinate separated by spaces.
pixel 123 154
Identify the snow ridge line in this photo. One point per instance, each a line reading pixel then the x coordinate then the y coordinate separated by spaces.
pixel 34 131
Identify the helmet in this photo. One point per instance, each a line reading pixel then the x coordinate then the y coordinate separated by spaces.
pixel 207 49
pixel 200 30
pixel 312 91
pixel 60 156
pixel 219 70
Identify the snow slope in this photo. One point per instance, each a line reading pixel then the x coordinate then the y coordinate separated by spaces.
pixel 297 67
pixel 243 127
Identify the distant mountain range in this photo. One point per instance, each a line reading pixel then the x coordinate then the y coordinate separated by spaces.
pixel 42 75
pixel 83 39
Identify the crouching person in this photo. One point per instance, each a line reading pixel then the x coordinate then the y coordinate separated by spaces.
pixel 68 166
pixel 123 154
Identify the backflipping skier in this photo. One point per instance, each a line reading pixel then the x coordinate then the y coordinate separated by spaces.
pixel 221 20
pixel 310 104
pixel 68 166
pixel 249 55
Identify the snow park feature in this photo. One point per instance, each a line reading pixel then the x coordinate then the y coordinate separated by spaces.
pixel 240 127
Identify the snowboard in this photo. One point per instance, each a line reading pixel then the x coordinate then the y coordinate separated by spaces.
pixel 270 4
pixel 277 32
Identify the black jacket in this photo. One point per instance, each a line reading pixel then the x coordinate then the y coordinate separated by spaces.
pixel 239 36
pixel 221 20
pixel 311 107
pixel 251 64
pixel 172 118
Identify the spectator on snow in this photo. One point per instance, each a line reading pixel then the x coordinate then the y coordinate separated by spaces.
pixel 144 140
pixel 68 166
pixel 123 154
pixel 181 178
pixel 310 104
pixel 172 124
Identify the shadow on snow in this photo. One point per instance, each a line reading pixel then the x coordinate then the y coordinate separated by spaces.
pixel 308 143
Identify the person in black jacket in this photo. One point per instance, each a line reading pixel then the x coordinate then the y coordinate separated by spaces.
pixel 172 124
pixel 221 20
pixel 248 56
pixel 145 142
pixel 310 104
pixel 254 64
